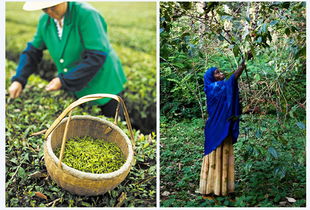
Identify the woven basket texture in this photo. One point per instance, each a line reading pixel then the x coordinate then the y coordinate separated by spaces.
pixel 79 182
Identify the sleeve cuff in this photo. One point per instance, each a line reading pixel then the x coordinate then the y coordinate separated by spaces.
pixel 21 81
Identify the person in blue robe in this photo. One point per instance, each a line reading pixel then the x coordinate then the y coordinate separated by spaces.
pixel 221 130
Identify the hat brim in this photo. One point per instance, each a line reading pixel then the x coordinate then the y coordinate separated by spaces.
pixel 38 5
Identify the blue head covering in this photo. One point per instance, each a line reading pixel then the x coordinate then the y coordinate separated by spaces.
pixel 208 77
pixel 223 108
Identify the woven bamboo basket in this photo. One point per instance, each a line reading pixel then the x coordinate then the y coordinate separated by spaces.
pixel 76 181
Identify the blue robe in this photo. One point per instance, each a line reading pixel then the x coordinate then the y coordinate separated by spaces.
pixel 223 109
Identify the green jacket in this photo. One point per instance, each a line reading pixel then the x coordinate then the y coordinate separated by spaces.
pixel 84 29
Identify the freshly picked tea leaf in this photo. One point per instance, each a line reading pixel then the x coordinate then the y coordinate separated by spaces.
pixel 92 155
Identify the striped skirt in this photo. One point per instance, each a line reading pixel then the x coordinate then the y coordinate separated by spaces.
pixel 217 171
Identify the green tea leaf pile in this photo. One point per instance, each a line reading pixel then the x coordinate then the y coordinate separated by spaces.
pixel 92 155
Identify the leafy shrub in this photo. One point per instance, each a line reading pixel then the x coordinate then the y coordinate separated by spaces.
pixel 270 163
pixel 195 36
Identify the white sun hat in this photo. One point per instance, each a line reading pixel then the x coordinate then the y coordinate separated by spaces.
pixel 38 5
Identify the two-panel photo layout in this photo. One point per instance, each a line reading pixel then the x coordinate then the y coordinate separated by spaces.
pixel 155 104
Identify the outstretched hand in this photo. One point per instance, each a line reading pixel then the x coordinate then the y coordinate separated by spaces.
pixel 242 66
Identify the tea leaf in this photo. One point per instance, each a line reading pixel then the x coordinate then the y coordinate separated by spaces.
pixel 92 155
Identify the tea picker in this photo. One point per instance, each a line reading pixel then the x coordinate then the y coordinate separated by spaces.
pixel 76 37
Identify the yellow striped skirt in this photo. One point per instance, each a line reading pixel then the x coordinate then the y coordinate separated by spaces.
pixel 217 171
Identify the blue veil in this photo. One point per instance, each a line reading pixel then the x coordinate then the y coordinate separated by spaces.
pixel 223 110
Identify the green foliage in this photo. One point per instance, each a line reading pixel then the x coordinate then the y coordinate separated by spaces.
pixel 26 173
pixel 132 35
pixel 196 37
pixel 270 163
pixel 92 155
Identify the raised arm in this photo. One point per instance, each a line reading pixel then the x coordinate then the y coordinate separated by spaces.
pixel 241 67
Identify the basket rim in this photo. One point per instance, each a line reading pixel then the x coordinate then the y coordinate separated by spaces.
pixel 80 174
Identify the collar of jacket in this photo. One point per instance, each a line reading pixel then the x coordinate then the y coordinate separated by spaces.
pixel 68 16
pixel 67 26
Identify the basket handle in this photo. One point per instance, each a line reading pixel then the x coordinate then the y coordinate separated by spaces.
pixel 80 101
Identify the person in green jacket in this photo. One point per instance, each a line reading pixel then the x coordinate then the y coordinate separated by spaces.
pixel 75 34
